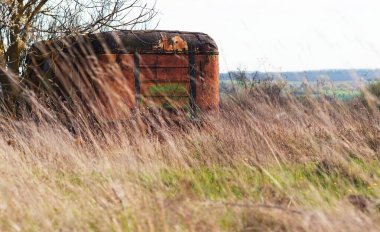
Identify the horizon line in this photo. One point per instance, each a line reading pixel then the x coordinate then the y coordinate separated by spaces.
pixel 309 70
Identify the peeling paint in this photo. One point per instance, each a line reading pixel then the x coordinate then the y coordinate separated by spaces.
pixel 172 44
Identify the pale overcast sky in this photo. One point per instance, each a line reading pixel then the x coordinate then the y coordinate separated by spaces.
pixel 282 35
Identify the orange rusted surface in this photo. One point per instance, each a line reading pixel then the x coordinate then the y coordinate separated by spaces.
pixel 116 84
pixel 175 43
pixel 127 67
pixel 161 60
pixel 167 69
pixel 164 74
pixel 207 82
pixel 118 78
pixel 173 60
pixel 164 80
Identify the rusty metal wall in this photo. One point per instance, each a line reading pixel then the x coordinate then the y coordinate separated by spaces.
pixel 153 71
pixel 138 69
pixel 207 82
pixel 157 72
pixel 116 83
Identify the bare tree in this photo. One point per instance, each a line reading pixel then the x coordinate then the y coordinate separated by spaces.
pixel 241 76
pixel 22 22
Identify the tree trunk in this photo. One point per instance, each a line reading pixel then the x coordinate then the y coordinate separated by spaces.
pixel 9 75
pixel 3 62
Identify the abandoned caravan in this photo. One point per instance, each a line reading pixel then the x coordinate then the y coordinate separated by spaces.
pixel 113 71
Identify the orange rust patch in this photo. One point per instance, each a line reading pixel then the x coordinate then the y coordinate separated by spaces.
pixel 207 93
pixel 117 86
pixel 175 43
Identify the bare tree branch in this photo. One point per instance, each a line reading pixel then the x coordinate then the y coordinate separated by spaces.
pixel 24 22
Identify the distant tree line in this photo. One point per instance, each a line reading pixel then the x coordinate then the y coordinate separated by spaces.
pixel 333 75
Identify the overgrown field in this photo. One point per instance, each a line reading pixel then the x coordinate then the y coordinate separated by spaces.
pixel 265 162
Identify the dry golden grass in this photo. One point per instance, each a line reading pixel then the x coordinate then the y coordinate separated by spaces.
pixel 263 163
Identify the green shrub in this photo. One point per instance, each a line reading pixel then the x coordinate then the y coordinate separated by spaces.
pixel 374 88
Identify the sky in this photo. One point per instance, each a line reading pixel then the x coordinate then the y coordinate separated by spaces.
pixel 282 35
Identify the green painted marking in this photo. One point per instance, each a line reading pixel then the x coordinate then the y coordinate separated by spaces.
pixel 167 89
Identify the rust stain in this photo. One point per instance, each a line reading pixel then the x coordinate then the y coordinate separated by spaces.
pixel 172 44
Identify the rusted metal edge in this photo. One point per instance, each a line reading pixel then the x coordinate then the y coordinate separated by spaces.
pixel 136 71
pixel 126 42
pixel 193 83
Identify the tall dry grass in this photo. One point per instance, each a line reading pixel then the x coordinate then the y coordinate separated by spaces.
pixel 264 162
pixel 267 161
